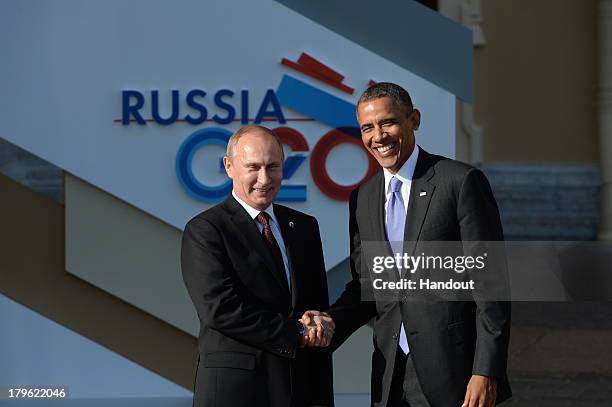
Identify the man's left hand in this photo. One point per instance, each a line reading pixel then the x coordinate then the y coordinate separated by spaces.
pixel 481 392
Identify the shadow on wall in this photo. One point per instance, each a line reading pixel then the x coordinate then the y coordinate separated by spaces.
pixel 31 171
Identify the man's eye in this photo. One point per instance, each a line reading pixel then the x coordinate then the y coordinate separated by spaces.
pixel 366 129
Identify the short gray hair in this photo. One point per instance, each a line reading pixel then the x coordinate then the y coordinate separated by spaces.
pixel 231 144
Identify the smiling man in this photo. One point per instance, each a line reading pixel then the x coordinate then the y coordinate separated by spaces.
pixel 252 268
pixel 436 354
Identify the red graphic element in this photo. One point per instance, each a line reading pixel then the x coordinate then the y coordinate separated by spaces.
pixel 318 159
pixel 317 70
pixel 371 82
pixel 308 61
pixel 291 138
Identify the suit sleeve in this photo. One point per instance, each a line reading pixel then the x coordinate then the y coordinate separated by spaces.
pixel 349 312
pixel 210 281
pixel 480 224
pixel 319 359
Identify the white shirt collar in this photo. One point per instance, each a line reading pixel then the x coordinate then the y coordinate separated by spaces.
pixel 406 172
pixel 254 212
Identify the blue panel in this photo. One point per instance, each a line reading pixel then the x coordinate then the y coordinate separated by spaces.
pixel 291 165
pixel 291 193
pixel 313 102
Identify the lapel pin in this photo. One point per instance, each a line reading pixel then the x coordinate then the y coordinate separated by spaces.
pixel 291 224
pixel 423 193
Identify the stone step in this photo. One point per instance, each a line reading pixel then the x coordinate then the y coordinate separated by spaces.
pixel 546 202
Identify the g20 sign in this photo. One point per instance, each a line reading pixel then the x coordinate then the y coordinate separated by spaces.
pixel 299 147
pixel 133 103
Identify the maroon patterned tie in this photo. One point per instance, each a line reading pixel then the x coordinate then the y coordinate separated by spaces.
pixel 273 246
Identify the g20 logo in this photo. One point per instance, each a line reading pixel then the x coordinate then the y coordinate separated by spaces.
pixel 298 145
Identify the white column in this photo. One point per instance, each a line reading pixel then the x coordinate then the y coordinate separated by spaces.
pixel 468 13
pixel 604 114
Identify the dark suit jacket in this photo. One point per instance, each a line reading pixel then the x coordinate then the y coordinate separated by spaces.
pixel 449 341
pixel 249 338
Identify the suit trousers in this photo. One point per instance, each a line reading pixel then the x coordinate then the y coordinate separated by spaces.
pixel 405 388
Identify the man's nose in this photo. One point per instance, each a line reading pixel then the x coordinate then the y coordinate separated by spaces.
pixel 379 134
pixel 262 176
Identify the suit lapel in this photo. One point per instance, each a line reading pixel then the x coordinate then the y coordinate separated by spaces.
pixel 248 232
pixel 421 192
pixel 376 203
pixel 288 227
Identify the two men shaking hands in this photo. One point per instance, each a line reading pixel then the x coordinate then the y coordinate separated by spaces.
pixel 256 275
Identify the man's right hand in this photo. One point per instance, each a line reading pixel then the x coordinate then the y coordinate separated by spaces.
pixel 319 328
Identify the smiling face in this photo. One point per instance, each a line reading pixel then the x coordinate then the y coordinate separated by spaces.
pixel 256 168
pixel 387 131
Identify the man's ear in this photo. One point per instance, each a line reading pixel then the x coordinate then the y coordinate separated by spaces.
pixel 227 163
pixel 416 119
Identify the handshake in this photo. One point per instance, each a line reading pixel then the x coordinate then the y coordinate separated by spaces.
pixel 319 329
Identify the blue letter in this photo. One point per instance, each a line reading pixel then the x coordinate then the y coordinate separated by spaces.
pixel 231 112
pixel 244 119
pixel 132 109
pixel 197 106
pixel 184 170
pixel 155 108
pixel 270 98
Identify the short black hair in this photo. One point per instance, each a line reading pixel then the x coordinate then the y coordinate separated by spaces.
pixel 399 95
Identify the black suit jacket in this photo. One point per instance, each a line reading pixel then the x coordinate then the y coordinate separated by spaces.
pixel 449 341
pixel 249 338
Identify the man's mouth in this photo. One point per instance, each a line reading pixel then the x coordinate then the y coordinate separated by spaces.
pixel 383 150
pixel 262 190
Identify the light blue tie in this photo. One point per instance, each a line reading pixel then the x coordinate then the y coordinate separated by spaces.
pixel 396 220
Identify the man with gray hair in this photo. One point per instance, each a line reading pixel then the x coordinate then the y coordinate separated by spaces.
pixel 252 268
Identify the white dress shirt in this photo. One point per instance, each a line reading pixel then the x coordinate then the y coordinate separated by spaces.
pixel 273 226
pixel 405 174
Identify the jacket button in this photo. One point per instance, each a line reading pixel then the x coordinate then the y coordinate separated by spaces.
pixel 395 336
